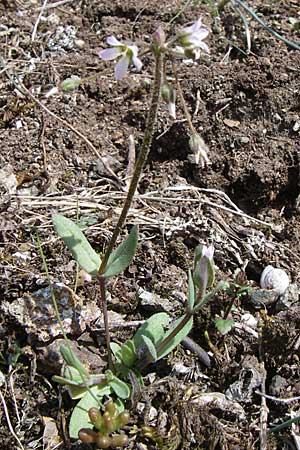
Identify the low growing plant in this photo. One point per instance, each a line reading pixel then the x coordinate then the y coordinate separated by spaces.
pixel 91 420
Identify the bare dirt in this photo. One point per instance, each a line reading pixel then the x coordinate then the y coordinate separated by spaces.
pixel 246 203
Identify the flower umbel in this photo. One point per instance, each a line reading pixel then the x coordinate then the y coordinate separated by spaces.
pixel 190 40
pixel 125 54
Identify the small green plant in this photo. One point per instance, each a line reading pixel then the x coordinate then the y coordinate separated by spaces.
pixel 158 336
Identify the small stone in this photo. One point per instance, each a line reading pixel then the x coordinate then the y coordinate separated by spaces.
pixel 244 140
pixel 296 126
pixel 262 297
pixel 79 43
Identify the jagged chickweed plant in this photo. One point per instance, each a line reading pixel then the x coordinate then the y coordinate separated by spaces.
pixel 92 420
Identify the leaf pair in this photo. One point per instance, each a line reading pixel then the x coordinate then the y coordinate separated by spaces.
pixel 87 258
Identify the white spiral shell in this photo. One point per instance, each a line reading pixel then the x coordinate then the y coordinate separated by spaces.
pixel 275 279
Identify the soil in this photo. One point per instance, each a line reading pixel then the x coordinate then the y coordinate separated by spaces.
pixel 246 202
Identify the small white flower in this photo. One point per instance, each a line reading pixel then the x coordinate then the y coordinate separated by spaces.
pixel 208 252
pixel 190 40
pixel 200 149
pixel 126 55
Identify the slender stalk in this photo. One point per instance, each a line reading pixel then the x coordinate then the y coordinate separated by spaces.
pixel 139 166
pixel 174 332
pixel 183 102
pixel 102 281
pixel 160 349
pixel 140 163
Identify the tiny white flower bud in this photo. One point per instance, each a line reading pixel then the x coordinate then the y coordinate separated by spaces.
pixel 70 84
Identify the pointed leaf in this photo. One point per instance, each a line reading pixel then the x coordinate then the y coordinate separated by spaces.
pixel 77 243
pixel 80 418
pixel 116 349
pixel 179 336
pixel 72 360
pixel 120 258
pixel 191 296
pixel 128 353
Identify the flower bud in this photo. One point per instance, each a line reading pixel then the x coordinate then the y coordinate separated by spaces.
pixel 204 273
pixel 168 94
pixel 87 435
pixel 199 148
pixel 70 84
pixel 159 37
pixel 158 41
pixel 119 440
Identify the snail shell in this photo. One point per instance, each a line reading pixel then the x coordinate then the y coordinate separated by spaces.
pixel 275 279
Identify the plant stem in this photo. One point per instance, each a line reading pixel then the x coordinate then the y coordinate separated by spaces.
pixel 102 281
pixel 183 102
pixel 174 332
pixel 160 349
pixel 140 163
pixel 139 166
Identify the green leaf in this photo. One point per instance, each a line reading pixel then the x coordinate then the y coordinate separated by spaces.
pixel 224 326
pixel 75 391
pixel 150 347
pixel 120 388
pixel 153 328
pixel 179 336
pixel 120 258
pixel 116 349
pixel 191 294
pixel 128 353
pixel 72 360
pixel 77 243
pixel 80 418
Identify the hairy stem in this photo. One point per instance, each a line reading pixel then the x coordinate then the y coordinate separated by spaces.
pixel 139 166
pixel 182 100
pixel 140 163
pixel 105 319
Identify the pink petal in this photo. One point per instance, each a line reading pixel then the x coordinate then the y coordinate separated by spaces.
pixel 172 110
pixel 111 40
pixel 109 53
pixel 121 67
pixel 137 63
pixel 204 47
pixel 201 34
pixel 196 25
pixel 208 251
pixel 134 49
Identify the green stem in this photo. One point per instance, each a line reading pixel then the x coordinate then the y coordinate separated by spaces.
pixel 140 163
pixel 160 349
pixel 270 30
pixel 168 339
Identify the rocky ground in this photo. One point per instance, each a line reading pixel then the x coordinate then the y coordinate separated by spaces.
pixel 68 153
